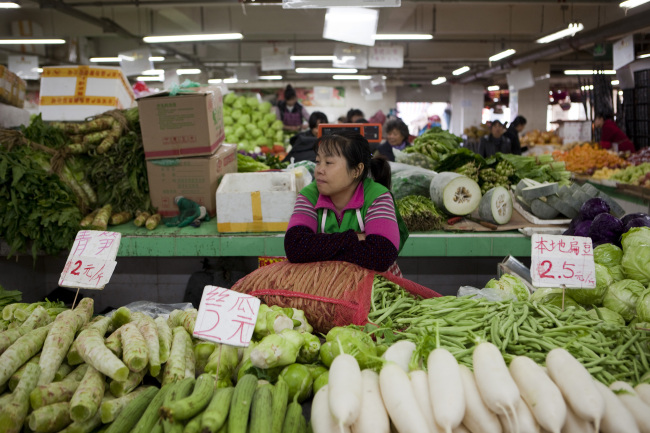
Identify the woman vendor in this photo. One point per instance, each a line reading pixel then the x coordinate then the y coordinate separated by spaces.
pixel 348 213
pixel 290 111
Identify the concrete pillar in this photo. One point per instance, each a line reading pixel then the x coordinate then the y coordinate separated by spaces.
pixel 532 103
pixel 466 106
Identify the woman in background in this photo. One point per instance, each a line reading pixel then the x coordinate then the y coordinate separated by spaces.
pixel 397 135
pixel 290 111
pixel 512 134
pixel 610 133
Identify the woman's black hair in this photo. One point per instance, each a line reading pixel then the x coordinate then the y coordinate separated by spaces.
pixel 289 92
pixel 606 115
pixel 519 120
pixel 399 125
pixel 356 150
pixel 352 112
pixel 315 117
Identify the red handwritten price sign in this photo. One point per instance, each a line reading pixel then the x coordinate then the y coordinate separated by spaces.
pixel 562 261
pixel 226 316
pixel 91 262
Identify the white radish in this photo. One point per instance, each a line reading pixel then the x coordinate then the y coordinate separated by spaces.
pixel 420 384
pixel 576 386
pixel 344 393
pixel 539 392
pixel 399 400
pixel 400 353
pixel 525 420
pixel 478 418
pixel 637 407
pixel 497 388
pixel 372 416
pixel 643 391
pixel 322 420
pixel 574 424
pixel 445 389
pixel 616 419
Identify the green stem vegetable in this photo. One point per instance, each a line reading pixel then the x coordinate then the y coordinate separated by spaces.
pixel 164 338
pixel 15 378
pixel 88 396
pixel 19 353
pixel 38 318
pixel 175 366
pixel 56 392
pixel 50 419
pixel 119 389
pixel 134 347
pixel 16 408
pixel 101 324
pixel 95 353
pixel 149 331
pixel 110 409
pixel 56 344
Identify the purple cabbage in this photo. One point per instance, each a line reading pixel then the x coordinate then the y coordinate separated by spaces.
pixel 632 216
pixel 637 222
pixel 606 228
pixel 593 207
pixel 572 225
pixel 582 229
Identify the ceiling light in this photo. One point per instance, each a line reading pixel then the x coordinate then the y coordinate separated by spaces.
pixel 31 41
pixel 588 72
pixel 493 88
pixel 439 80
pixel 643 56
pixel 312 58
pixel 351 77
pixel 191 71
pixel 270 77
pixel 620 93
pixel 104 59
pixel 569 31
pixel 502 55
pixel 326 71
pixel 193 38
pixel 629 4
pixel 460 71
pixel 403 37
pixel 39 70
pixel 615 82
pixel 156 59
pixel 154 72
pixel 9 5
pixel 149 78
pixel 231 80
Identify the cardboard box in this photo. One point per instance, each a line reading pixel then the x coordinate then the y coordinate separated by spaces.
pixel 12 88
pixel 256 202
pixel 196 178
pixel 187 124
pixel 73 93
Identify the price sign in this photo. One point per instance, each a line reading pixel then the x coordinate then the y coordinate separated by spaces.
pixel 226 316
pixel 562 261
pixel 91 262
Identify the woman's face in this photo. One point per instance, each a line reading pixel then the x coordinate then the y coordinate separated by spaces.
pixel 291 102
pixel 394 137
pixel 332 175
pixel 598 122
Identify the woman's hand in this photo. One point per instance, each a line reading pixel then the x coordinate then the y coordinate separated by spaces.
pixel 361 236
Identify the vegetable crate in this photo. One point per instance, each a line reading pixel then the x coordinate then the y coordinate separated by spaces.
pixel 255 202
pixel 73 93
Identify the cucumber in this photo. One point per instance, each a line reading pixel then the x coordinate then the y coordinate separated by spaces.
pixel 189 406
pixel 496 206
pixel 292 422
pixel 614 207
pixel 180 391
pixel 280 401
pixel 214 416
pixel 561 206
pixel 532 192
pixel 151 415
pixel 132 413
pixel 262 410
pixel 590 190
pixel 542 210
pixel 241 404
pixel 454 193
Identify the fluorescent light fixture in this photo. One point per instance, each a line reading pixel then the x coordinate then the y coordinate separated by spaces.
pixel 620 93
pixel 403 37
pixel 104 59
pixel 351 77
pixel 569 31
pixel 150 78
pixel 312 58
pixel 615 82
pixel 493 88
pixel 193 38
pixel 269 77
pixel 39 70
pixel 9 5
pixel 588 72
pixel 222 81
pixel 502 55
pixel 326 71
pixel 126 58
pixel 191 71
pixel 439 80
pixel 644 56
pixel 31 41
pixel 154 72
pixel 629 4
pixel 461 71
pixel 156 59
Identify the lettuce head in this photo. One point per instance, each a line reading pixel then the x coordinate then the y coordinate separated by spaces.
pixel 622 297
pixel 643 306
pixel 607 316
pixel 510 284
pixel 608 255
pixel 594 296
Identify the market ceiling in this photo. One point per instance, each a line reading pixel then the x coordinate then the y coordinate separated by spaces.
pixel 465 33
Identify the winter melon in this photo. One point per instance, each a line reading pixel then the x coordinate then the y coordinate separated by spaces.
pixel 454 193
pixel 496 206
pixel 538 191
pixel 561 206
pixel 543 210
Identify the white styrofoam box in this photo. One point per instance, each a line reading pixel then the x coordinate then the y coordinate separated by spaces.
pixel 73 93
pixel 572 132
pixel 11 117
pixel 255 202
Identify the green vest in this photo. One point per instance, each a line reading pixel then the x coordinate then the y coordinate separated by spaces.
pixel 371 190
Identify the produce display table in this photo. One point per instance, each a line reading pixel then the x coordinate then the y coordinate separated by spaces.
pixel 206 241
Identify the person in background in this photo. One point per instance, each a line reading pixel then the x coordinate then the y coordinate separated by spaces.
pixel 610 133
pixel 342 119
pixel 354 114
pixel 397 134
pixel 495 141
pixel 513 132
pixel 303 143
pixel 348 213
pixel 432 122
pixel 290 111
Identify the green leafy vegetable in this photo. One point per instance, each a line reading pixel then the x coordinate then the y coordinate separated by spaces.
pixel 622 298
pixel 510 284
pixel 594 296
